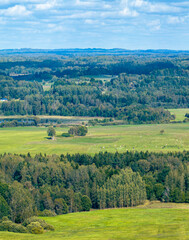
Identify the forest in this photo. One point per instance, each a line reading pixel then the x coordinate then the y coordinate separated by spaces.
pixel 57 184
pixel 139 89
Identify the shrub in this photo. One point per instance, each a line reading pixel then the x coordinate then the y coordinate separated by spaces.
pixel 42 222
pixel 66 135
pixel 12 227
pixel 35 228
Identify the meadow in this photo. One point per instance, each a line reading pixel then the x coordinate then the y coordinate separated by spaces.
pixel 179 113
pixel 99 138
pixel 156 221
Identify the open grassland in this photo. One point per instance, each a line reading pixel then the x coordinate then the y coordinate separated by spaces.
pixel 99 138
pixel 159 221
pixel 179 113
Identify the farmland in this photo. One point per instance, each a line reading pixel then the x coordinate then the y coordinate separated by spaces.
pixel 179 113
pixel 156 221
pixel 99 138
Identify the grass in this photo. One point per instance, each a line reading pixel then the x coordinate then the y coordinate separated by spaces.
pixel 99 138
pixel 180 113
pixel 159 221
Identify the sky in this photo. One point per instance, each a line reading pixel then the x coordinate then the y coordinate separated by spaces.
pixel 128 24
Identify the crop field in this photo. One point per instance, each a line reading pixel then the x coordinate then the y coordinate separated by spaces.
pixel 99 138
pixel 157 221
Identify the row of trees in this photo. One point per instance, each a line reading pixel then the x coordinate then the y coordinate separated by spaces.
pixel 33 185
pixel 50 185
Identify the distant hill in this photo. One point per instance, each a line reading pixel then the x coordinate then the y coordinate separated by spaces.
pixel 91 51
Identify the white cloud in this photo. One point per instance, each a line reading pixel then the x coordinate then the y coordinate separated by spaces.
pixel 155 25
pixel 161 8
pixel 54 28
pixel 47 5
pixel 79 15
pixel 149 7
pixel 176 19
pixel 84 3
pixel 138 3
pixel 15 11
pixel 182 4
pixel 126 12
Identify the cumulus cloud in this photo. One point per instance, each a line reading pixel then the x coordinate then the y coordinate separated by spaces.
pixel 15 11
pixel 105 16
pixel 47 5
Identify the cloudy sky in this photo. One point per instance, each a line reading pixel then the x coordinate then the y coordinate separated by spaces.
pixel 129 24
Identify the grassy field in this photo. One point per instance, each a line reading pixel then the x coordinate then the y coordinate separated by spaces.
pixel 99 138
pixel 180 113
pixel 157 221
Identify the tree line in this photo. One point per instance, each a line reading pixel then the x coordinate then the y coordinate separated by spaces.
pixel 50 185
pixel 139 91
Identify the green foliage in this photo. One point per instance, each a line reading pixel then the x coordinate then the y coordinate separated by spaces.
pixel 35 228
pixel 60 206
pixel 51 132
pixel 78 131
pixel 86 203
pixel 4 208
pixel 124 190
pixel 5 191
pixel 67 135
pixel 21 203
pixel 12 227
pixel 27 223
pixel 159 190
pixel 136 90
pixel 47 213
pixel 70 183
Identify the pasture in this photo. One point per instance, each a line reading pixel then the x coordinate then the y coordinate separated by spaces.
pixel 179 113
pixel 158 221
pixel 99 138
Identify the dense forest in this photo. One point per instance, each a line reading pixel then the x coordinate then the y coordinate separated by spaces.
pixel 50 185
pixel 138 88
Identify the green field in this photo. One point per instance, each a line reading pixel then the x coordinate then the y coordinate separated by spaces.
pixel 100 138
pixel 157 221
pixel 179 113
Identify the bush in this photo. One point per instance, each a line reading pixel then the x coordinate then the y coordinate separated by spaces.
pixel 35 228
pixel 47 213
pixel 66 135
pixel 12 227
pixel 42 222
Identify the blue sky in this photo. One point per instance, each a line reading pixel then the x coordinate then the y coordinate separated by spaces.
pixel 129 24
